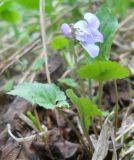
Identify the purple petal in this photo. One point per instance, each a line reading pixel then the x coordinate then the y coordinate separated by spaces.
pixel 97 36
pixel 92 20
pixel 66 30
pixel 92 49
pixel 81 25
pixel 86 38
pixel 82 31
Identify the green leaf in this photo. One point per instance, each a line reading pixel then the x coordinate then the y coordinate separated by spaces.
pixel 103 71
pixel 29 4
pixel 33 119
pixel 48 96
pixel 69 82
pixel 9 85
pixel 5 5
pixel 108 25
pixel 118 8
pixel 70 2
pixel 11 16
pixel 85 107
pixel 48 7
pixel 38 64
pixel 59 42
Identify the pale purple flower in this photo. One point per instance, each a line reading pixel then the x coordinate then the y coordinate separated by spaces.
pixel 86 32
pixel 66 29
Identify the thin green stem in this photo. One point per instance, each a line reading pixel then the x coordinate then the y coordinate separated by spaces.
pixel 16 31
pixel 90 88
pixel 85 130
pixel 100 94
pixel 38 120
pixel 100 99
pixel 116 105
pixel 44 138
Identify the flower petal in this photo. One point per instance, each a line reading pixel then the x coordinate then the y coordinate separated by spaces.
pixel 66 30
pixel 97 36
pixel 92 20
pixel 81 25
pixel 84 37
pixel 92 49
pixel 82 31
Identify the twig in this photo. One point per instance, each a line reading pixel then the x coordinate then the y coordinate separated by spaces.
pixel 125 21
pixel 131 149
pixel 24 50
pixel 127 130
pixel 43 35
pixel 24 139
pixel 10 46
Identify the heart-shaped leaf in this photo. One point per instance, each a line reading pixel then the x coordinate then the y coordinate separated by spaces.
pixel 103 71
pixel 48 96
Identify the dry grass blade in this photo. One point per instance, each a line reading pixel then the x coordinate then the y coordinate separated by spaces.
pixel 18 54
pixel 125 21
pixel 102 146
pixel 130 150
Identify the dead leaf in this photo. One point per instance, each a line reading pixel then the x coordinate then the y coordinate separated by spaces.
pixel 102 146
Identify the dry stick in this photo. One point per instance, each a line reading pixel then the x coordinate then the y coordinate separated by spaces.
pixel 126 131
pixel 23 51
pixel 10 46
pixel 116 105
pixel 125 21
pixel 43 35
pixel 24 139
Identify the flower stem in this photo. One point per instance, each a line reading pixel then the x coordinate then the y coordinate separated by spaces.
pixel 100 98
pixel 85 131
pixel 116 105
pixel 44 137
pixel 100 94
pixel 90 88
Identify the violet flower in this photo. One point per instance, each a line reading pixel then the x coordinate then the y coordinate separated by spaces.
pixel 86 32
